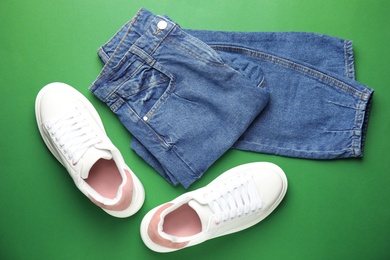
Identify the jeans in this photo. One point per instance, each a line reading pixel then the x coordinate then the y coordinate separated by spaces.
pixel 187 96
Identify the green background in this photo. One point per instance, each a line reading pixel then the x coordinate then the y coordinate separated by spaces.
pixel 336 209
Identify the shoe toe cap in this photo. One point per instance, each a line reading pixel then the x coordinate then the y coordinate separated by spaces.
pixel 54 99
pixel 272 185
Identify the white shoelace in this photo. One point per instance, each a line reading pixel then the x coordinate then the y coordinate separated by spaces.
pixel 73 134
pixel 233 199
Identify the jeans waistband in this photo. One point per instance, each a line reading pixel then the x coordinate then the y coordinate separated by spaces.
pixel 141 36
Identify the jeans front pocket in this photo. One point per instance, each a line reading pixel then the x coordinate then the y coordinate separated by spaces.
pixel 146 90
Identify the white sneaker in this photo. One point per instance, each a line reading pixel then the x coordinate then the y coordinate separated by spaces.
pixel 74 133
pixel 238 199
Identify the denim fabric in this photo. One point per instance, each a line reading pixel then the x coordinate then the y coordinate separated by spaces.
pixel 316 110
pixel 187 96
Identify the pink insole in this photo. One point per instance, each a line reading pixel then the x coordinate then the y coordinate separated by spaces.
pixel 104 177
pixel 183 221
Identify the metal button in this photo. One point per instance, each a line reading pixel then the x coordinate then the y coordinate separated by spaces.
pixel 162 25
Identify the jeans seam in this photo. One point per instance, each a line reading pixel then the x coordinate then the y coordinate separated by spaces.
pixel 294 66
pixel 120 44
pixel 163 98
pixel 195 55
pixel 166 144
pixel 360 126
pixel 194 173
pixel 107 72
pixel 349 59
pixel 123 81
pixel 301 150
pixel 356 132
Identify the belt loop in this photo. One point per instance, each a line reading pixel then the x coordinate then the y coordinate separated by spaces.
pixel 142 54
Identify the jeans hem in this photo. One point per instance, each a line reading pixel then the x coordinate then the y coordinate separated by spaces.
pixel 362 123
pixel 354 149
pixel 349 60
pixel 294 153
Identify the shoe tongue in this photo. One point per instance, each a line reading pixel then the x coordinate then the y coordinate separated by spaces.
pixel 91 156
pixel 204 212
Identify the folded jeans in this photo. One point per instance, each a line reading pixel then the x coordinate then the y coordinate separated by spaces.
pixel 187 96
